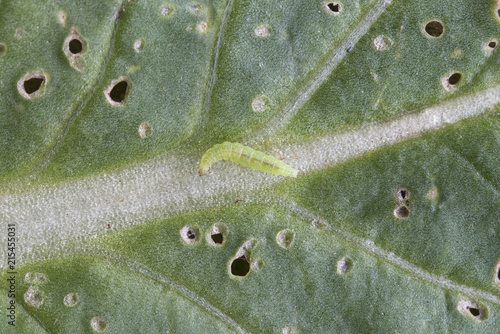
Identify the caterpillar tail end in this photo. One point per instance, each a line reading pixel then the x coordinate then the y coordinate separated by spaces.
pixel 202 172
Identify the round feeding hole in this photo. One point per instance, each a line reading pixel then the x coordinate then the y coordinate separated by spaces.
pixel 240 266
pixel 492 44
pixel 217 238
pixel 454 78
pixel 434 28
pixel 75 46
pixel 403 194
pixel 118 91
pixel 401 212
pixel 333 7
pixel 33 84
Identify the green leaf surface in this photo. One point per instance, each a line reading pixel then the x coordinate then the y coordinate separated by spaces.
pixel 388 109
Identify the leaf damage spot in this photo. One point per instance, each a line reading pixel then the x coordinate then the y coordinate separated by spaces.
pixel 98 324
pixel 74 48
pixel 262 31
pixel 402 194
pixel 117 93
pixel 344 265
pixel 401 211
pixel 433 195
pixel 472 309
pixel 139 45
pixel 218 235
pixel 62 17
pixel 285 238
pixel 195 9
pixel 145 130
pixel 451 81
pixel 190 234
pixel 333 7
pixel 32 85
pixel 34 296
pixel 434 29
pixel 202 27
pixel 260 104
pixel 382 43
pixel 166 10
pixel 3 49
pixel 35 278
pixel 240 265
pixel 71 299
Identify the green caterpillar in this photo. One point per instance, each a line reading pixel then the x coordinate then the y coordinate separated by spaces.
pixel 245 156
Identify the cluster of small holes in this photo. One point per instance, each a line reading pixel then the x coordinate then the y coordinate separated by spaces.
pixel 98 324
pixel 34 296
pixel 71 299
pixel 118 91
pixel 333 7
pixel 285 238
pixel 190 234
pixel 262 31
pixel 472 309
pixel 434 28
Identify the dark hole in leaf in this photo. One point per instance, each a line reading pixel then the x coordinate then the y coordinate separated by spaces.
pixel 498 12
pixel 2 49
pixel 403 194
pixel 402 211
pixel 454 78
pixel 492 44
pixel 434 28
pixel 333 7
pixel 240 266
pixel 217 238
pixel 498 272
pixel 119 92
pixel 474 311
pixel 191 234
pixel 33 84
pixel 75 46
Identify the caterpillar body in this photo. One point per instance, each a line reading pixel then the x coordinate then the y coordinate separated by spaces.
pixel 245 156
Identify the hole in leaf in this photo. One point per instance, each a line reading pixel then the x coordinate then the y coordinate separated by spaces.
pixel 403 194
pixel 492 44
pixel 119 91
pixel 217 238
pixel 190 234
pixel 497 274
pixel 33 84
pixel 401 212
pixel 344 265
pixel 498 12
pixel 3 48
pixel 334 7
pixel 240 266
pixel 454 78
pixel 472 309
pixel 75 46
pixel 434 28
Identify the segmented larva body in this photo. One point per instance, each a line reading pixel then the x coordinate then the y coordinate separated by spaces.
pixel 245 156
